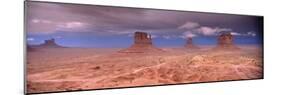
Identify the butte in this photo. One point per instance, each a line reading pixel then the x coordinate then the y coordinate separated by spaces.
pixel 189 44
pixel 225 42
pixel 48 44
pixel 142 44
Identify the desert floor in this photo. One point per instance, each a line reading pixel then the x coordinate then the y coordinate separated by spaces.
pixel 65 69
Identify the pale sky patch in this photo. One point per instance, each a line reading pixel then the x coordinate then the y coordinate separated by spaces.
pixel 189 25
pixel 30 39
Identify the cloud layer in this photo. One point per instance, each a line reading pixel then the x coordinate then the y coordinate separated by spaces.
pixel 46 18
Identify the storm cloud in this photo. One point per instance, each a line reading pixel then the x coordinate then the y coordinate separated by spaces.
pixel 47 18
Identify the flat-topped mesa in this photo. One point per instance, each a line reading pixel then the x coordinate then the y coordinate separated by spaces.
pixel 142 44
pixel 225 41
pixel 189 44
pixel 49 43
pixel 142 39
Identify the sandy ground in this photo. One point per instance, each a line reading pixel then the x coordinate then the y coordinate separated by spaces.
pixel 65 69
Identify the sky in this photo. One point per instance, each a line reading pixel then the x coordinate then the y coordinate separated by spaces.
pixel 73 25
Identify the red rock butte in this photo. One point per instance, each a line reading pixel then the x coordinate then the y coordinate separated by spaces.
pixel 189 44
pixel 225 42
pixel 142 44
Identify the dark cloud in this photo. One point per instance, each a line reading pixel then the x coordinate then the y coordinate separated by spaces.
pixel 55 17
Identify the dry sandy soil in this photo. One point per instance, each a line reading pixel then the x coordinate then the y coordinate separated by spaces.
pixel 65 69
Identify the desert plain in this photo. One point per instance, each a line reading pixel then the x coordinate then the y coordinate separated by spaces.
pixel 66 69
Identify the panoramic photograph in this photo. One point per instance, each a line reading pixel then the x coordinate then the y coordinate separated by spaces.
pixel 74 47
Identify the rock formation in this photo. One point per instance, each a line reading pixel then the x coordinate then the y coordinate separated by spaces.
pixel 225 42
pixel 189 44
pixel 49 43
pixel 143 39
pixel 142 44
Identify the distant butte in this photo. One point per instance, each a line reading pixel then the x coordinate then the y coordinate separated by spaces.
pixel 189 44
pixel 142 44
pixel 225 42
pixel 49 43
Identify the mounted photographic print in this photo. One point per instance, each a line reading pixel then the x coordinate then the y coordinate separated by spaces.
pixel 76 47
